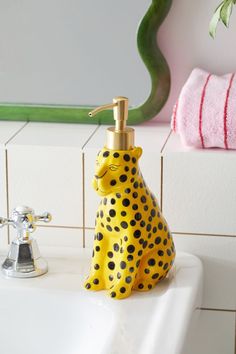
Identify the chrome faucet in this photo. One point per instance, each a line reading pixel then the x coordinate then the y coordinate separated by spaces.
pixel 24 260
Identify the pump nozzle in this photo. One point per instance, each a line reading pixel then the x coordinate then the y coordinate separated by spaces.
pixel 119 137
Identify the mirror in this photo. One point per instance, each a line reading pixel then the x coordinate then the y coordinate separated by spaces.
pixel 60 58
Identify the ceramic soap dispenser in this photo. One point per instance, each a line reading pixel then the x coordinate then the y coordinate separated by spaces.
pixel 133 247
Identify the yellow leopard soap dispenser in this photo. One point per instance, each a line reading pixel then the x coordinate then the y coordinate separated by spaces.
pixel 133 247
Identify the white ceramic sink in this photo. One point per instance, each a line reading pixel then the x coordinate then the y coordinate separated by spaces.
pixel 53 314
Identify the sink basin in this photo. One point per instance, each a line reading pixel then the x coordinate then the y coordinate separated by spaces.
pixel 53 314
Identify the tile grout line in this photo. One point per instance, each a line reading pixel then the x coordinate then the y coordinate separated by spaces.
pixel 83 197
pixel 61 227
pixel 16 133
pixel 166 141
pixel 200 234
pixel 7 194
pixel 161 191
pixel 90 137
pixel 216 309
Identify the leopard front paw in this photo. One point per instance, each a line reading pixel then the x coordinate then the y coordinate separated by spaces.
pixel 94 283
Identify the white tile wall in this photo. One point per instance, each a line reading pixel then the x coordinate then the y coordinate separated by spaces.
pixel 213 333
pixel 7 132
pixel 45 170
pixel 219 263
pixel 199 194
pixel 151 137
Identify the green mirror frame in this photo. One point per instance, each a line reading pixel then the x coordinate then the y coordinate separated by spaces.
pixel 154 62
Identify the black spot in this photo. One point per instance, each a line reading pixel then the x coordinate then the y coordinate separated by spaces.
pixel 121 250
pixel 168 252
pixel 146 270
pixel 116 154
pixel 140 185
pixel 111 277
pixel 143 199
pixel 145 244
pixel 149 235
pixel 96 281
pixel 96 266
pixel 122 290
pixel 93 254
pixel 133 159
pixel 137 263
pixel 151 262
pixel 106 154
pixel 153 213
pixel 124 224
pixel 118 195
pixel 135 195
pixel 151 245
pixel 154 230
pixel 125 238
pixel 116 247
pixel 112 213
pixel 165 228
pixel 132 222
pixel 128 279
pixel 113 182
pixel 130 248
pixel 122 265
pixel 87 286
pixel 97 248
pixel 160 253
pixel 148 227
pixel 165 242
pixel 102 224
pixel 110 254
pixel 131 269
pixel 140 253
pixel 109 228
pixel 99 236
pixel 160 264
pixel 132 180
pixel 126 202
pixel 149 286
pixel 130 257
pixel 138 216
pixel 137 233
pixel 108 219
pixel 105 201
pixel 150 218
pixel 116 228
pixel 101 214
pixel 123 178
pixel 155 276
pixel 111 265
pixel 133 171
pixel 118 275
pixel 140 286
pixel 135 185
pixel 157 240
pixel 142 223
pixel 165 266
pixel 123 213
pixel 126 157
pixel 160 226
pixel 113 201
pixel 127 190
pixel 126 168
pixel 113 294
pixel 145 207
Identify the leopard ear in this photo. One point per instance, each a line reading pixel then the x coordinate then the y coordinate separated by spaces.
pixel 137 152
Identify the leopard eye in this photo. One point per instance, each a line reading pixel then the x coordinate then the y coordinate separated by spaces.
pixel 113 167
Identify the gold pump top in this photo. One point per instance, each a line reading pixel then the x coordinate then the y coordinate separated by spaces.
pixel 119 137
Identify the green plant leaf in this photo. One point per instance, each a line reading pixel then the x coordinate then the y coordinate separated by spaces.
pixel 215 19
pixel 226 11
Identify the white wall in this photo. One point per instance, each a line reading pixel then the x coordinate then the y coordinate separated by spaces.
pixel 186 44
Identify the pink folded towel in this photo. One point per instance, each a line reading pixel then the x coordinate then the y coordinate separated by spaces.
pixel 205 113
